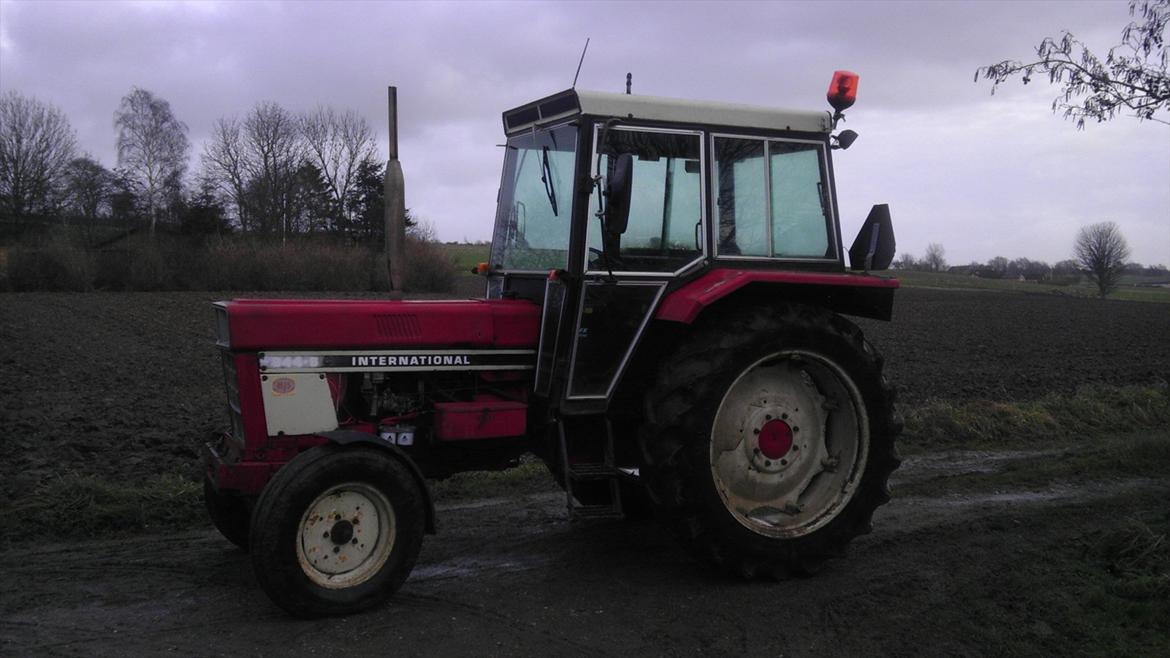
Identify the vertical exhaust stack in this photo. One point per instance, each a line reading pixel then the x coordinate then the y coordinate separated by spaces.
pixel 395 197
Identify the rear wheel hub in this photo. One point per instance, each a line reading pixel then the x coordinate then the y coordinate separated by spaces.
pixel 775 439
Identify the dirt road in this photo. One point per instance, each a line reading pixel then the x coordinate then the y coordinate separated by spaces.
pixel 992 573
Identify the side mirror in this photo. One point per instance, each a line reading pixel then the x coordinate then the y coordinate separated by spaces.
pixel 873 249
pixel 618 186
pixel 845 139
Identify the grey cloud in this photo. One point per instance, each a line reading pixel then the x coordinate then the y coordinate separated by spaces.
pixel 983 175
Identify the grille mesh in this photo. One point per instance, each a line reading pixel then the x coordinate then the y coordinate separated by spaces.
pixel 398 326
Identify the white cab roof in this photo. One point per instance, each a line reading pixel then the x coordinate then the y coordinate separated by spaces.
pixel 575 102
pixel 702 112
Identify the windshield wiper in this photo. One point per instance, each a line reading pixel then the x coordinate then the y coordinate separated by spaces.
pixel 546 178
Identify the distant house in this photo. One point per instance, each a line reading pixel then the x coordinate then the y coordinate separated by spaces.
pixel 965 270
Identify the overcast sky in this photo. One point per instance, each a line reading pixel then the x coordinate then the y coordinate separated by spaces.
pixel 983 175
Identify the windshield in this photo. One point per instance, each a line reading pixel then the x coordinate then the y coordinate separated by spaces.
pixel 536 193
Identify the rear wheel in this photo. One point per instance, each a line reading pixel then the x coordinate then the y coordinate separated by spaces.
pixel 336 531
pixel 769 439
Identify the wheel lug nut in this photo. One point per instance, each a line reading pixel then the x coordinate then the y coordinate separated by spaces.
pixel 756 431
pixel 336 549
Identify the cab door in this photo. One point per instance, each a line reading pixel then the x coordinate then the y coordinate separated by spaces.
pixel 626 274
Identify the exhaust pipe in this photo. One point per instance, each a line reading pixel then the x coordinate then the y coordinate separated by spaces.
pixel 395 198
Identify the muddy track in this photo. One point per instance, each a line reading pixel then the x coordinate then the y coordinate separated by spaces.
pixel 512 577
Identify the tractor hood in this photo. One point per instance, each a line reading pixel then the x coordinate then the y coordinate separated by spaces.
pixel 264 324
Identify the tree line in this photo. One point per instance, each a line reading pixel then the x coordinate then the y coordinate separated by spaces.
pixel 271 172
pixel 1100 253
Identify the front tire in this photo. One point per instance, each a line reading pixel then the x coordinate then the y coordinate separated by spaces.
pixel 337 531
pixel 770 438
pixel 230 514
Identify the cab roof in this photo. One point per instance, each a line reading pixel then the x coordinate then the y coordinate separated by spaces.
pixel 579 102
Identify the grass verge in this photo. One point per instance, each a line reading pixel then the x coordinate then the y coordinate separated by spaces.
pixel 1054 420
pixel 531 476
pixel 1121 605
pixel 73 506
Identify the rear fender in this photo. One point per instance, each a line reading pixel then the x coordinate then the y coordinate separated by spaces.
pixel 851 294
pixel 351 437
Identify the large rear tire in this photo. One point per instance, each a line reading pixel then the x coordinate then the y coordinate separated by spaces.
pixel 337 531
pixel 769 438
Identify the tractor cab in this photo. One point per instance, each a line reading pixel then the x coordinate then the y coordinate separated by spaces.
pixel 610 203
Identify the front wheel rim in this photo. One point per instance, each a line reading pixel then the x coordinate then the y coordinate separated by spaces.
pixel 346 535
pixel 789 444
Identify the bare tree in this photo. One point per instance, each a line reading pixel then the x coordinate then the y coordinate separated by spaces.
pixel 1132 78
pixel 256 162
pixel 89 187
pixel 36 142
pixel 274 152
pixel 152 146
pixel 998 265
pixel 906 262
pixel 225 166
pixel 339 144
pixel 1102 251
pixel 933 260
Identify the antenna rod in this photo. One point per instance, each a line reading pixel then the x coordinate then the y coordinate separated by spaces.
pixel 583 51
pixel 629 82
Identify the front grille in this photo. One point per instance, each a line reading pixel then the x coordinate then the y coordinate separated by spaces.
pixel 398 326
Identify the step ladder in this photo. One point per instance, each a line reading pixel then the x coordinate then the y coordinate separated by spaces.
pixel 579 473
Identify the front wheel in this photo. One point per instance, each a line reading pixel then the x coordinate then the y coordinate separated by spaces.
pixel 336 531
pixel 229 514
pixel 770 438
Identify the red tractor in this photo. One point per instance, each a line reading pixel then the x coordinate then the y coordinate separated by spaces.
pixel 662 326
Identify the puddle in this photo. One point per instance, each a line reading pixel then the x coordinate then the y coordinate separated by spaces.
pixel 466 567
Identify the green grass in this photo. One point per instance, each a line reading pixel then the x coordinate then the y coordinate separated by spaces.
pixel 72 506
pixel 531 476
pixel 1126 589
pixel 966 282
pixel 1076 580
pixel 466 256
pixel 1053 420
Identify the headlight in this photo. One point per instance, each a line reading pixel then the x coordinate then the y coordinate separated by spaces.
pixel 223 333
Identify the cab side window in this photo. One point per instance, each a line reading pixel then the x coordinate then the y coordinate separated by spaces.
pixel 771 199
pixel 664 232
